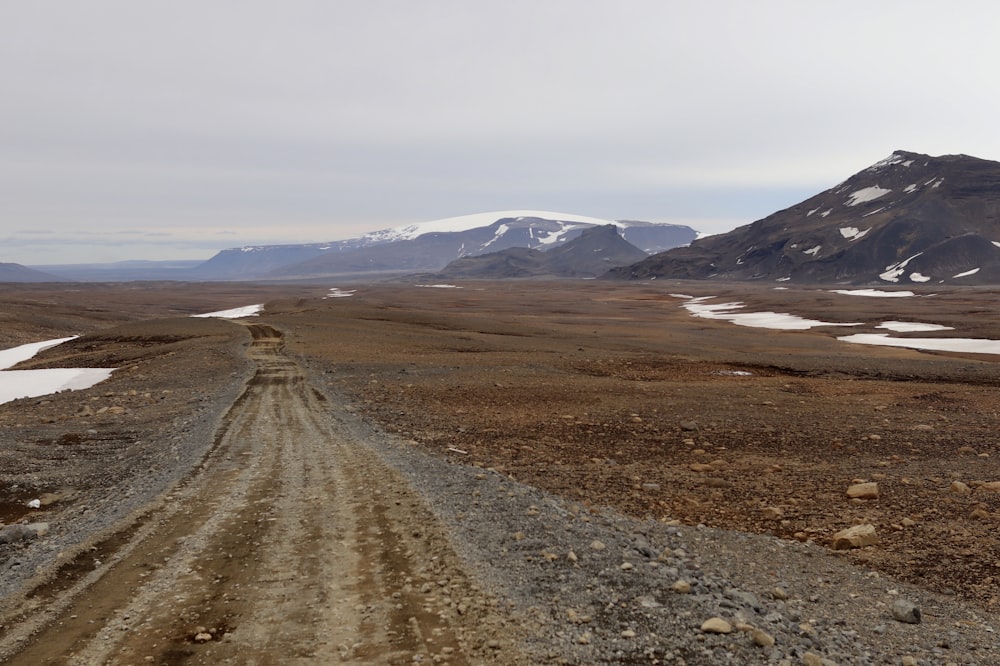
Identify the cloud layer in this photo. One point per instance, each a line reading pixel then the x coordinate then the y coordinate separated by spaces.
pixel 173 129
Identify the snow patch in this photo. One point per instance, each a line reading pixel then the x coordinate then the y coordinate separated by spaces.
pixel 877 210
pixel 813 211
pixel 14 355
pixel 339 293
pixel 910 188
pixel 15 384
pixel 873 293
pixel 501 230
pixel 965 274
pixel 813 250
pixel 887 162
pixel 866 194
pixel 235 313
pixel 825 213
pixel 772 320
pixel 967 345
pixel 919 277
pixel 438 286
pixel 853 233
pixel 912 327
pixel 893 271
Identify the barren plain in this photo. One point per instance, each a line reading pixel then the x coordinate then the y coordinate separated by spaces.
pixel 497 472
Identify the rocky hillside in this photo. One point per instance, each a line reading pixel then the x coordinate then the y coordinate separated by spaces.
pixel 907 219
pixel 592 253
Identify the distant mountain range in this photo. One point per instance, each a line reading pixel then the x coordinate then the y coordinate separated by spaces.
pixel 414 248
pixel 429 246
pixel 19 273
pixel 908 219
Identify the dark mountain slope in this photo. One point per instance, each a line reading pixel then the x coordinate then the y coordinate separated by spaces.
pixel 908 219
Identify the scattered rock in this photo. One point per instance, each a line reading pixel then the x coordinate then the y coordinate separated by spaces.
pixel 39 529
pixel 906 611
pixel 681 587
pixel 203 637
pixel 959 488
pixel 858 536
pixel 993 486
pixel 15 533
pixel 716 625
pixel 867 490
pixel 597 545
pixel 689 426
pixel 762 638
pixel 772 513
pixel 700 467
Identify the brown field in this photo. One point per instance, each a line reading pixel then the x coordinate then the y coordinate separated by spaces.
pixel 607 394
pixel 581 388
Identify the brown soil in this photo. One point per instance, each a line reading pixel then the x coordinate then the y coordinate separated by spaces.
pixel 582 389
pixel 607 394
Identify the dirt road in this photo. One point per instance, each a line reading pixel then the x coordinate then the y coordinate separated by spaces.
pixel 290 544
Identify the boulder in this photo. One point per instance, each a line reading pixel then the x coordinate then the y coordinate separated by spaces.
pixel 716 625
pixel 867 490
pixel 905 611
pixel 858 536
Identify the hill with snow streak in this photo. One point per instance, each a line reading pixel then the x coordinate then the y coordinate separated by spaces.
pixel 908 219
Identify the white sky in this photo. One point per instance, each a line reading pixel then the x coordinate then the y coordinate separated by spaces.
pixel 171 129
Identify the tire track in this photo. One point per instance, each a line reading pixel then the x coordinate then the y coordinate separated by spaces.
pixel 292 544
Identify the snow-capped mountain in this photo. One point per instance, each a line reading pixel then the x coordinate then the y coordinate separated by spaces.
pixel 908 219
pixel 591 254
pixel 466 222
pixel 429 246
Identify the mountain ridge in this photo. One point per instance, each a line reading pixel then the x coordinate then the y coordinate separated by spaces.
pixel 907 219
pixel 591 254
pixel 407 250
pixel 11 272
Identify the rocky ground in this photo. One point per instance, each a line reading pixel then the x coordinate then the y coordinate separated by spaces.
pixel 610 471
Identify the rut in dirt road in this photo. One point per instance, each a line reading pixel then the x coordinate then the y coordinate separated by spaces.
pixel 291 544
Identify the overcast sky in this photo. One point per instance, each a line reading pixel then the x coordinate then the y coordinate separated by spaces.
pixel 139 129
